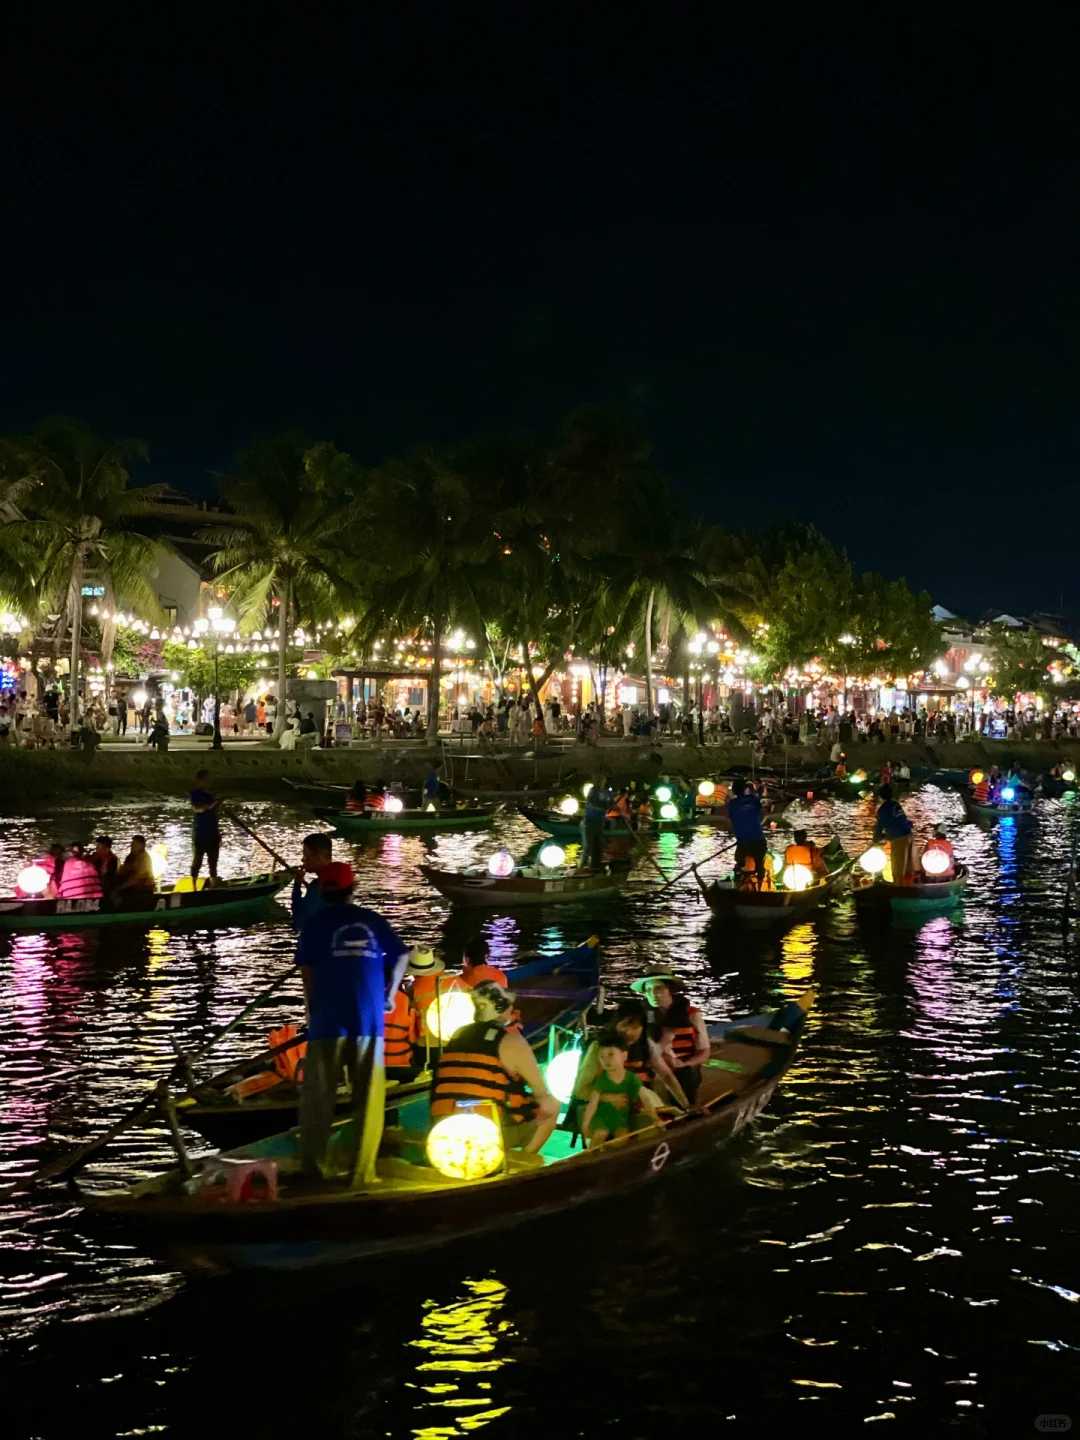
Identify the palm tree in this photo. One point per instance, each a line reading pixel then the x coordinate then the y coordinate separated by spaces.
pixel 70 513
pixel 437 544
pixel 285 556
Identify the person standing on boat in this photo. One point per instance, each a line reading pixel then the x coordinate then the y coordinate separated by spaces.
pixel 683 1037
pixel 597 803
pixel 206 827
pixel 317 851
pixel 744 812
pixel 352 962
pixel 893 825
pixel 487 1061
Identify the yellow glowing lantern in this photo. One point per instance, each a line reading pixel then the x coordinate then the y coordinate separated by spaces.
pixel 159 854
pixel 797 877
pixel 663 793
pixel 1068 776
pixel 587 789
pixel 568 805
pixel 33 880
pixel 977 777
pixel 669 811
pixel 430 808
pixel 448 1013
pixel 935 862
pixel 874 860
pixel 706 789
pixel 465 1146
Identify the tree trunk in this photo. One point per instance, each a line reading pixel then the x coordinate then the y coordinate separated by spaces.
pixel 435 684
pixel 76 635
pixel 282 658
pixel 648 653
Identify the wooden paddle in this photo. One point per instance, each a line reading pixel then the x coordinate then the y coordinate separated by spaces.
pixel 235 818
pixel 64 1166
pixel 683 873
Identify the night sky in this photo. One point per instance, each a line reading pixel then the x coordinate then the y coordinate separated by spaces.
pixel 832 268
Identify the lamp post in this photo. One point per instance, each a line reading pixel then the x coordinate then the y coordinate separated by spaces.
pixel 218 625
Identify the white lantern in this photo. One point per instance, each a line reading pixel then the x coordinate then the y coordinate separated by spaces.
pixel 561 1074
pixel 797 877
pixel 874 860
pixel 393 805
pixel 568 805
pixel 552 856
pixel 935 862
pixel 33 880
pixel 501 865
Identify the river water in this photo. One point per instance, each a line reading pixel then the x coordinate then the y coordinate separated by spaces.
pixel 895 1242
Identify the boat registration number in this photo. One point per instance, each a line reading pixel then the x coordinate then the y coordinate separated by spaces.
pixel 750 1109
pixel 77 907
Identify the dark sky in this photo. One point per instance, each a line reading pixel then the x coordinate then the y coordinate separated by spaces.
pixel 832 266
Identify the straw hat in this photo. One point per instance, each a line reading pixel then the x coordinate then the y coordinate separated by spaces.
pixel 424 962
pixel 642 986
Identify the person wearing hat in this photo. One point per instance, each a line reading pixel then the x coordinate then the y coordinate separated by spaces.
pixel 351 961
pixel 487 1061
pixel 317 850
pixel 106 862
pixel 684 1039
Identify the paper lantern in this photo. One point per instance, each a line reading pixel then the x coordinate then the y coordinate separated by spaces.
pixel 1068 776
pixel 935 862
pixel 158 856
pixel 448 1013
pixel 663 793
pixel 465 1146
pixel 1008 794
pixel 552 855
pixel 501 865
pixel 977 777
pixel 858 777
pixel 393 805
pixel 587 789
pixel 797 877
pixel 33 880
pixel 430 808
pixel 874 860
pixel 777 864
pixel 561 1074
pixel 706 788
pixel 669 811
pixel 568 805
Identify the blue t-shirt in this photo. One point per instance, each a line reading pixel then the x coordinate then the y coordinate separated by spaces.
pixel 206 821
pixel 597 804
pixel 744 812
pixel 892 822
pixel 352 953
pixel 305 904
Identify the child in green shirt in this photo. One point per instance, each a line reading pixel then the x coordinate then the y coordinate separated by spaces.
pixel 615 1095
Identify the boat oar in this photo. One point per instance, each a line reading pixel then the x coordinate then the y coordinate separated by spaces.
pixel 235 818
pixel 683 873
pixel 66 1165
pixel 642 847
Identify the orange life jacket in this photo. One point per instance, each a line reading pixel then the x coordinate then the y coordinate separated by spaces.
pixel 470 1069
pixel 683 1042
pixel 982 792
pixel 288 1063
pixel 480 973
pixel 79 880
pixel 639 1063
pixel 399 1024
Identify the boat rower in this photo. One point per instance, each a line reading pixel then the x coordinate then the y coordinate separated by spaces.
pixel 206 827
pixel 893 825
pixel 484 1061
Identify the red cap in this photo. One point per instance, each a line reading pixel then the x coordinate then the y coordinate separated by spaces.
pixel 337 875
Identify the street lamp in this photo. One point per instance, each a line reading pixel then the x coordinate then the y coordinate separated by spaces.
pixel 218 625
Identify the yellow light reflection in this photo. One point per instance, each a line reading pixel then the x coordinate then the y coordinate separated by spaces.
pixel 461 1338
pixel 797 952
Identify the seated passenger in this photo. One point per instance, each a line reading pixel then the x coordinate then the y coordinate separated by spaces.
pixel 399 1036
pixel 79 879
pixel 803 851
pixel 615 1095
pixel 483 1061
pixel 644 1058
pixel 357 797
pixel 747 878
pixel 475 968
pixel 135 878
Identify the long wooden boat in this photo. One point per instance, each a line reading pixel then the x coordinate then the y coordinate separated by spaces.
pixel 551 990
pixel 770 907
pixel 553 822
pixel 923 895
pixel 380 822
pixel 163 908
pixel 529 885
pixel 319 1223
pixel 994 812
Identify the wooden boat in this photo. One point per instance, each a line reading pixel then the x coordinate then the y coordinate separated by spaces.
pixel 320 1223
pixel 551 990
pixel 230 900
pixel 976 811
pixel 924 895
pixel 529 885
pixel 568 827
pixel 379 822
pixel 776 906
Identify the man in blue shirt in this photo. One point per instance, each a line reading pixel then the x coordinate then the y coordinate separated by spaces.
pixel 318 850
pixel 744 812
pixel 893 825
pixel 206 828
pixel 351 961
pixel 597 804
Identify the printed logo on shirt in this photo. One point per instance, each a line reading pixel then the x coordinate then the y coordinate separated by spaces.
pixel 356 942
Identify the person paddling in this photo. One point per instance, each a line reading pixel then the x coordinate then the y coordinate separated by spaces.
pixel 206 827
pixel 893 825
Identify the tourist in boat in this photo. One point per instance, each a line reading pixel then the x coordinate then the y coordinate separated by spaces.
pixel 902 771
pixel 399 1036
pixel 616 1094
pixel 643 1056
pixel 476 968
pixel 803 851
pixel 52 862
pixel 619 810
pixel 840 772
pixel 893 825
pixel 747 876
pixel 105 861
pixel 485 1061
pixel 206 828
pixel 351 961
pixel 135 878
pixel 79 879
pixel 886 775
pixel 683 1037
pixel 316 851
pixel 942 843
pixel 745 813
pixel 356 800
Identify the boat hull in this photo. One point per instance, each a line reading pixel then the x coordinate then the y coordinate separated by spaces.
pixel 994 812
pixel 377 823
pixel 926 897
pixel 170 908
pixel 487 891
pixel 772 907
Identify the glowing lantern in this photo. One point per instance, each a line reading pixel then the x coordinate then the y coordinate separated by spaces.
pixel 430 808
pixel 561 1074
pixel 935 862
pixel 874 860
pixel 568 805
pixel 158 856
pixel 663 793
pixel 552 855
pixel 669 811
pixel 587 789
pixel 977 777
pixel 501 865
pixel 448 1013
pixel 858 777
pixel 1068 776
pixel 393 805
pixel 465 1146
pixel 777 864
pixel 706 788
pixel 797 877
pixel 1008 794
pixel 33 880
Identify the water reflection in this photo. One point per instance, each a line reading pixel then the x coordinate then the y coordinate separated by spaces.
pixel 461 1341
